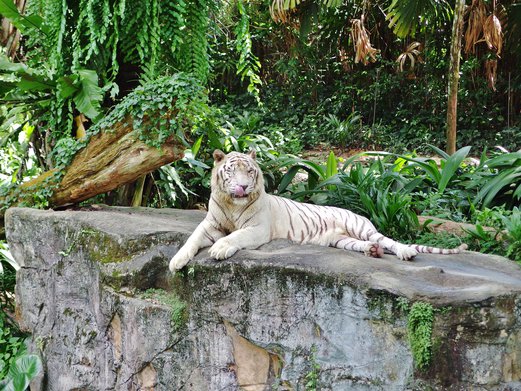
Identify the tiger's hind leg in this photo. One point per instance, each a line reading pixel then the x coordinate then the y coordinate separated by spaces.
pixel 371 249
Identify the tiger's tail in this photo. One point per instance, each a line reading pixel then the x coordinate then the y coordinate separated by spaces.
pixel 435 250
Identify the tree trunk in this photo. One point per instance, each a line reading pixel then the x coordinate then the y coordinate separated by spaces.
pixel 454 67
pixel 111 158
pixel 9 34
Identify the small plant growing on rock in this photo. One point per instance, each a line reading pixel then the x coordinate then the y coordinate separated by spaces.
pixel 177 306
pixel 312 375
pixel 419 329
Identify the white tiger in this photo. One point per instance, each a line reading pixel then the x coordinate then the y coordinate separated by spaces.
pixel 242 215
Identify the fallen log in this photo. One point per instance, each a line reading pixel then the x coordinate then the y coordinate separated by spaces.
pixel 112 158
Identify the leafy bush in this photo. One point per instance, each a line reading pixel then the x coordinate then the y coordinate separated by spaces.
pixel 505 236
pixel 11 344
pixel 8 268
pixel 187 182
pixel 513 236
pixel 376 191
pixel 498 180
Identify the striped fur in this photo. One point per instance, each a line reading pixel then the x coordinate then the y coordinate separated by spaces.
pixel 241 215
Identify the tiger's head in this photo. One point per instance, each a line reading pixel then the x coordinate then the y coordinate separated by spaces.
pixel 236 177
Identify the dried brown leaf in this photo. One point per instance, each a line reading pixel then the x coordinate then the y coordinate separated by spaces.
pixel 364 52
pixel 476 21
pixel 493 34
pixel 412 53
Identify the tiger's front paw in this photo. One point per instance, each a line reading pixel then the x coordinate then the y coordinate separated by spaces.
pixel 406 253
pixel 179 260
pixel 222 249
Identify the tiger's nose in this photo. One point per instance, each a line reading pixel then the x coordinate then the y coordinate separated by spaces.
pixel 244 187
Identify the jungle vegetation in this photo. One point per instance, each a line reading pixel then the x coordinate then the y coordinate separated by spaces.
pixel 85 85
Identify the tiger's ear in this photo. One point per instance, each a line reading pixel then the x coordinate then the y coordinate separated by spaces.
pixel 218 155
pixel 252 153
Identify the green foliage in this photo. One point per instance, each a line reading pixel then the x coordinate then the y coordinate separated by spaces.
pixel 438 239
pixel 498 179
pixel 15 367
pixel 446 172
pixel 404 15
pixel 311 377
pixel 193 51
pixel 497 231
pixel 187 181
pixel 21 372
pixel 160 109
pixel 376 191
pixel 512 225
pixel 79 54
pixel 7 258
pixel 22 22
pixel 419 331
pixel 248 64
pixel 179 312
pixel 344 132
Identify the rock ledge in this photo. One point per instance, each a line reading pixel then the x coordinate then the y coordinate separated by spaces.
pixel 105 314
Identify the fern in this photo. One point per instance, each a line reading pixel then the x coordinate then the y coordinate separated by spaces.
pixel 193 53
pixel 55 21
pixel 248 64
pixel 173 15
pixel 98 35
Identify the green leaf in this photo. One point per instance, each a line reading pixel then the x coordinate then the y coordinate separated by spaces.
pixel 8 10
pixel 197 146
pixel 8 257
pixel 15 67
pixel 33 82
pixel 496 184
pixel 25 368
pixel 68 85
pixel 89 95
pixel 451 165
pixel 6 87
pixel 331 167
pixel 287 178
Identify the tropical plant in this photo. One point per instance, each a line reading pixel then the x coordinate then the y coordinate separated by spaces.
pixel 24 369
pixel 497 231
pixel 512 225
pixel 12 346
pixel 344 132
pixel 440 174
pixel 316 173
pixel 376 191
pixel 7 258
pixel 497 179
pixel 403 16
pixel 248 64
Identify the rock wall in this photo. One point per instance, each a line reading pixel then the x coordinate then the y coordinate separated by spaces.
pixel 105 314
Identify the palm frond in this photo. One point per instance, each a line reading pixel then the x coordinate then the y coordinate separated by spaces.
pixel 412 53
pixel 404 16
